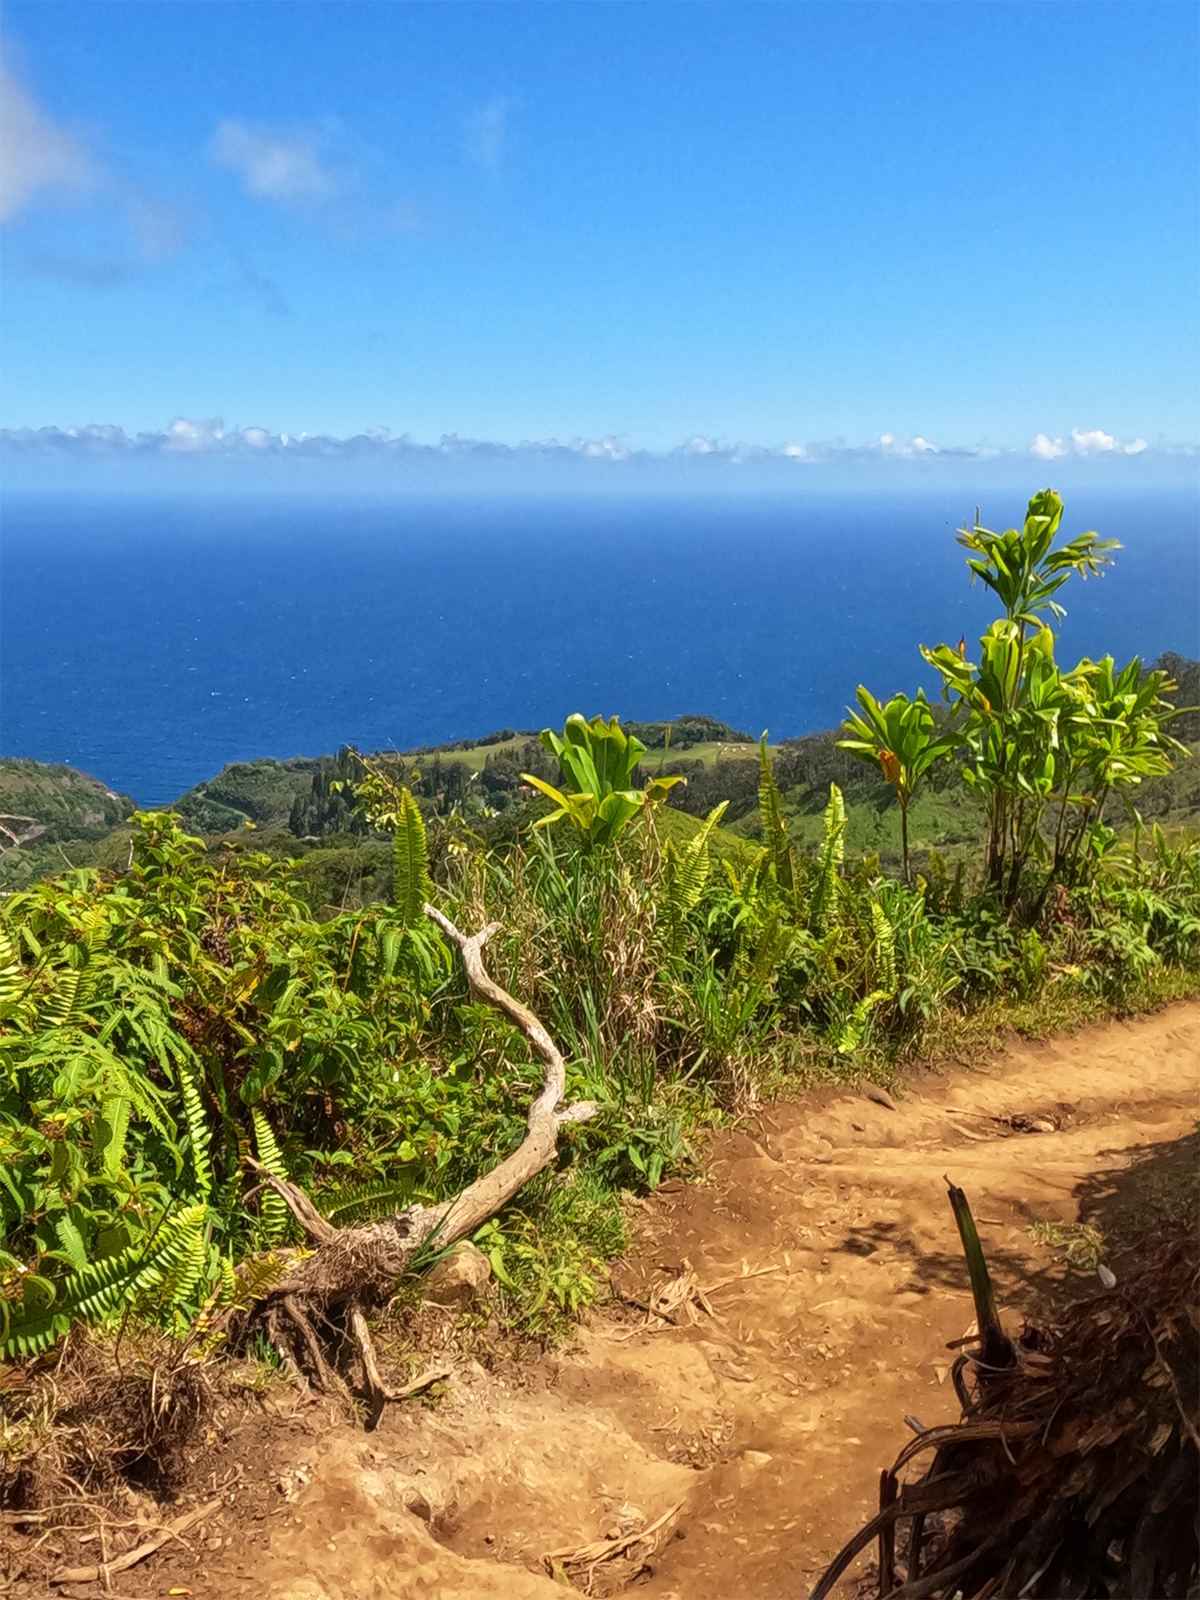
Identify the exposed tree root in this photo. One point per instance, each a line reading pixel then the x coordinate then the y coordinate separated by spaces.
pixel 1073 1472
pixel 108 1569
pixel 352 1270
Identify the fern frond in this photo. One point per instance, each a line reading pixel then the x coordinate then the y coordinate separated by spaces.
pixel 855 1029
pixel 273 1208
pixel 364 1201
pixel 198 1132
pixel 104 1287
pixel 823 911
pixel 254 1278
pixel 12 976
pixel 184 1271
pixel 71 1240
pixel 685 873
pixel 58 1006
pixel 885 949
pixel 774 823
pixel 116 1119
pixel 410 854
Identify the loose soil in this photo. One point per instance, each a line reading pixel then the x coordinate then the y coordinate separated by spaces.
pixel 823 1247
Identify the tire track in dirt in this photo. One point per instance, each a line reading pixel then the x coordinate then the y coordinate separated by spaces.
pixel 825 1227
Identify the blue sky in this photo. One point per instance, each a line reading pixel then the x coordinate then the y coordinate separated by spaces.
pixel 968 225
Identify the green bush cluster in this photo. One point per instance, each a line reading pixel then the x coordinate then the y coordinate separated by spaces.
pixel 166 1023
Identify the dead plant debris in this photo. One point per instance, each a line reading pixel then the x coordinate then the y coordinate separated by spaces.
pixel 1072 1472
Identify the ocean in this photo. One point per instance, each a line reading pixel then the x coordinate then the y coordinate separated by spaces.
pixel 150 642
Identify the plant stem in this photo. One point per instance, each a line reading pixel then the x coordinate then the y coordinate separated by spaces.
pixel 995 1347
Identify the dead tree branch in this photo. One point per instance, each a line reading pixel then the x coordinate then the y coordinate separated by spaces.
pixel 356 1268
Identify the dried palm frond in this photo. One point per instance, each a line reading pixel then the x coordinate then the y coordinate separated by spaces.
pixel 1073 1472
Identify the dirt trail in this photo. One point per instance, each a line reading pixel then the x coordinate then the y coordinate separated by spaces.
pixel 829 1255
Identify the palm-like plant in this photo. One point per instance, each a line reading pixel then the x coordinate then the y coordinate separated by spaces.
pixel 1023 570
pixel 902 740
pixel 1017 699
pixel 1115 737
pixel 598 760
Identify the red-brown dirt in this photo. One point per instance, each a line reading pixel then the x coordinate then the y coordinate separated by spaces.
pixel 827 1252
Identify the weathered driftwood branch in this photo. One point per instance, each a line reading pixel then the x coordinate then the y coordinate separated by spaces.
pixel 358 1266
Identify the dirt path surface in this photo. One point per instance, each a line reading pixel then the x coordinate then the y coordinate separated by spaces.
pixel 824 1246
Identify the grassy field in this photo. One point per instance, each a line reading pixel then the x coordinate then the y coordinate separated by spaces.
pixel 653 761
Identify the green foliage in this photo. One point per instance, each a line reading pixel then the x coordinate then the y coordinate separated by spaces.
pixel 1044 747
pixel 774 824
pixel 900 739
pixel 165 1019
pixel 598 759
pixel 411 885
pixel 1022 568
pixel 273 1208
pixel 824 911
pixel 164 1271
pixel 259 792
pixel 684 875
pixel 49 803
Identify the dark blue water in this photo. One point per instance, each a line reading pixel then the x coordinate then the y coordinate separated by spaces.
pixel 150 643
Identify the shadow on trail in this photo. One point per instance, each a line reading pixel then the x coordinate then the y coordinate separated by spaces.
pixel 1133 1208
pixel 1015 1277
pixel 1156 1194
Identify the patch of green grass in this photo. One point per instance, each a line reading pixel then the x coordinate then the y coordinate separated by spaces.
pixel 1079 1243
pixel 1059 1008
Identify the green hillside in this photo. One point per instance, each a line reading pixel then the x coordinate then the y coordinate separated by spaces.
pixel 59 818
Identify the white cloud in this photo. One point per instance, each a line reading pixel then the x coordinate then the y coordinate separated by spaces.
pixel 285 168
pixel 35 154
pixel 1047 449
pixel 1136 448
pixel 184 435
pixel 1091 441
pixel 207 443
pixel 487 131
pixel 889 445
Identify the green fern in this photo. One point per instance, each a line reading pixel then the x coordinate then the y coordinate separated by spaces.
pixel 685 873
pixel 181 1277
pixel 770 950
pixel 198 1133
pixel 116 1121
pixel 103 1288
pixel 855 1029
pixel 774 823
pixel 410 853
pixel 253 1278
pixel 273 1208
pixel 71 1240
pixel 361 1202
pixel 885 949
pixel 12 976
pixel 824 909
pixel 62 1004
